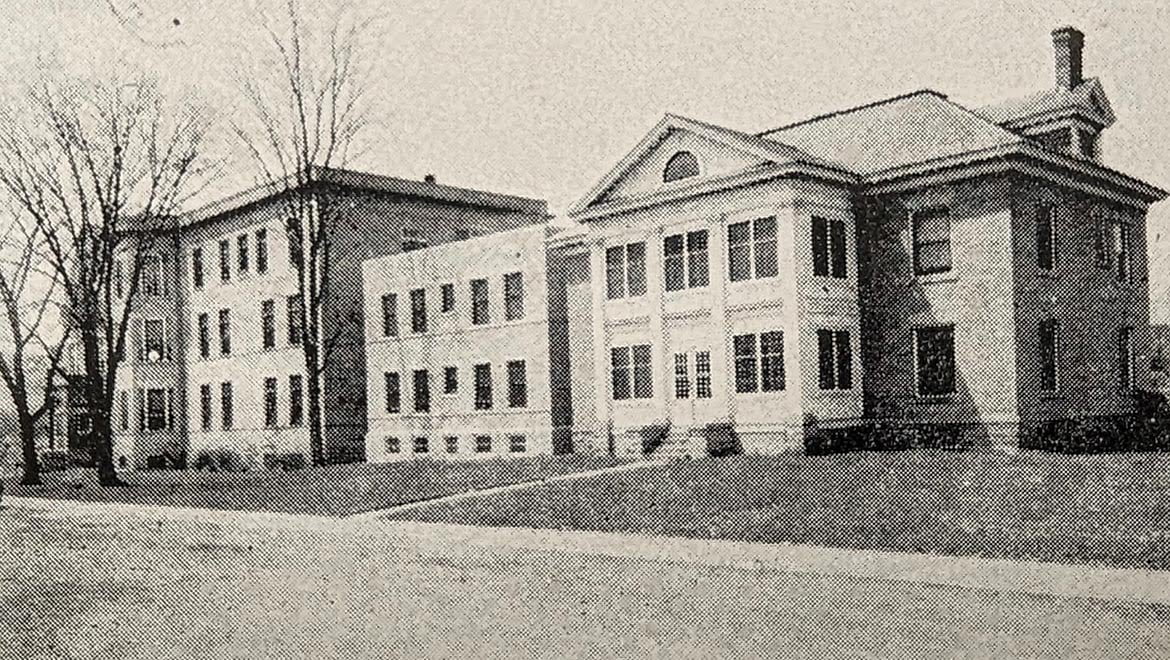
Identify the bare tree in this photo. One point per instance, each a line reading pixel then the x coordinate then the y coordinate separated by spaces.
pixel 101 170
pixel 305 115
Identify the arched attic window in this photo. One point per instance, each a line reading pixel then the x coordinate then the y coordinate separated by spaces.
pixel 680 166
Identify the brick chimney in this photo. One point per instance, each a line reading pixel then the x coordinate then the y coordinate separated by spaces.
pixel 1068 44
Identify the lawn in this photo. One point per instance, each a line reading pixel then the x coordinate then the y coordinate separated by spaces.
pixel 1109 509
pixel 329 491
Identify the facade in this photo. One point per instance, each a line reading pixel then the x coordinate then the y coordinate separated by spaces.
pixel 213 358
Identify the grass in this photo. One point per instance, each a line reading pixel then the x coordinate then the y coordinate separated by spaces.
pixel 329 491
pixel 1111 509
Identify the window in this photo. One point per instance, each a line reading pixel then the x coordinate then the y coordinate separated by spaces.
pixel 682 165
pixel 625 271
pixel 1124 271
pixel 751 249
pixel 517 384
pixel 452 444
pixel 296 401
pixel 242 253
pixel 225 261
pixel 834 359
pixel 204 336
pixel 421 445
pixel 412 239
pixel 479 302
pixel 447 294
pixel 150 278
pixel 225 332
pixel 643 373
pixel 225 405
pixel 392 445
pixel 418 310
pixel 1046 237
pixel 932 241
pixel 513 296
pixel 1103 243
pixel 197 268
pixel 153 340
pixel 772 361
pixel 746 380
pixel 759 362
pixel 462 233
pixel 389 315
pixel 268 323
pixel 156 409
pixel 450 380
pixel 829 245
pixel 619 358
pixel 682 377
pixel 1049 356
pixel 421 381
pixel 205 407
pixel 295 318
pixel 517 444
pixel 483 387
pixel 1125 357
pixel 1088 144
pixel 631 372
pixel 703 375
pixel 393 392
pixel 934 354
pixel 685 260
pixel 123 411
pixel 1059 140
pixel 261 251
pixel 483 444
pixel 270 402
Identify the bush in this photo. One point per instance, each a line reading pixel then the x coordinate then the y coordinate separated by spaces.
pixel 722 439
pixel 819 441
pixel 219 460
pixel 287 462
pixel 653 436
pixel 1090 435
pixel 54 461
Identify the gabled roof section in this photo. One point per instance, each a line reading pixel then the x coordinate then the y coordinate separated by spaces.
pixel 893 133
pixel 1087 100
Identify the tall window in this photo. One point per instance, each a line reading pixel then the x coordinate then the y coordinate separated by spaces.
pixel 225 332
pixel 268 323
pixel 483 386
pixel 225 261
pixel 932 241
pixel 450 380
pixel 1125 357
pixel 513 296
pixel 1124 270
pixel 225 405
pixel 156 409
pixel 682 377
pixel 771 361
pixel 759 362
pixel 685 260
pixel 261 251
pixel 751 249
pixel 834 359
pixel 151 278
pixel 479 302
pixel 418 310
pixel 934 356
pixel 393 392
pixel 682 165
pixel 447 295
pixel 829 247
pixel 205 407
pixel 422 390
pixel 270 402
pixel 1046 237
pixel 517 384
pixel 389 315
pixel 703 375
pixel 1103 242
pixel 1049 356
pixel 197 268
pixel 242 253
pixel 296 400
pixel 625 271
pixel 204 336
pixel 153 340
pixel 632 372
pixel 296 317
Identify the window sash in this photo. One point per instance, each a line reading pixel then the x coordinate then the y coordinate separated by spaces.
pixel 205 407
pixel 226 411
pixel 389 315
pixel 225 261
pixel 268 323
pixel 746 366
pixel 480 312
pixel 225 332
pixel 447 295
pixel 450 380
pixel 643 372
pixel 844 358
pixel 636 269
pixel 418 310
pixel 1049 350
pixel 682 380
pixel 513 296
pixel 270 406
pixel 615 272
pixel 242 253
pixel 421 381
pixel 261 250
pixel 772 361
pixel 483 387
pixel 296 319
pixel 620 372
pixel 932 242
pixel 674 262
pixel 837 243
pixel 156 409
pixel 393 392
pixel 517 384
pixel 935 361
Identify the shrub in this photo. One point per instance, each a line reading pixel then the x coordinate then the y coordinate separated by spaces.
pixel 722 439
pixel 219 460
pixel 819 441
pixel 53 461
pixel 287 462
pixel 653 436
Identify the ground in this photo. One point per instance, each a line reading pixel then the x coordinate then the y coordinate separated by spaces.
pixel 133 586
pixel 330 491
pixel 1094 509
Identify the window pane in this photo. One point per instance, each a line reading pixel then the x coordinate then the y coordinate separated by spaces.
pixel 480 313
pixel 513 296
pixel 672 258
pixel 393 393
pixel 697 271
pixel 837 240
pixel 483 386
pixel 620 367
pixel 615 273
pixel 389 315
pixel 703 375
pixel 826 372
pixel 933 258
pixel 672 245
pixel 682 382
pixel 820 246
pixel 517 384
pixel 745 363
pixel 772 361
pixel 738 233
pixel 739 265
pixel 766 265
pixel 418 310
pixel 844 360
pixel 636 263
pixel 936 361
pixel 643 374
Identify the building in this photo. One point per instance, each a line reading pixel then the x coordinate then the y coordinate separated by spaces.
pixel 213 358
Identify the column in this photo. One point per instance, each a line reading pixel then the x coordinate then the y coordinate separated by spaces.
pixel 597 286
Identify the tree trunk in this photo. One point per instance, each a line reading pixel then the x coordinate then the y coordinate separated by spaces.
pixel 316 426
pixel 31 475
pixel 97 409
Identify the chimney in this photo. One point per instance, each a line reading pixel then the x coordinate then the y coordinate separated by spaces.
pixel 430 178
pixel 1068 43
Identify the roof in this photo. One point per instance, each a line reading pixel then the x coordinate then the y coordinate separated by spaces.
pixel 1087 99
pixel 371 182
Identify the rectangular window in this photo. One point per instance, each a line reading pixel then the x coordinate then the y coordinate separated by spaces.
pixel 421 445
pixel 1124 270
pixel 764 245
pixel 261 251
pixel 517 384
pixel 153 340
pixel 225 332
pixel 619 357
pixel 225 261
pixel 615 272
pixel 393 392
pixel 421 381
pixel 295 317
pixel 270 402
pixel 480 314
pixel 751 249
pixel 513 296
pixel 625 270
pixel 834 360
pixel 483 444
pixel 150 278
pixel 204 336
pixel 772 361
pixel 746 366
pixel 703 375
pixel 389 315
pixel 418 310
pixel 412 239
pixel 682 377
pixel 483 387
pixel 156 409
pixel 452 444
pixel 197 268
pixel 837 243
pixel 934 354
pixel 684 260
pixel 643 371
pixel 517 444
pixel 450 380
pixel 447 294
pixel 205 407
pixel 820 246
pixel 1125 357
pixel 124 410
pixel 1049 356
pixel 268 323
pixel 242 253
pixel 225 405
pixel 393 446
pixel 296 401
pixel 932 241
pixel 1046 237
pixel 1103 243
